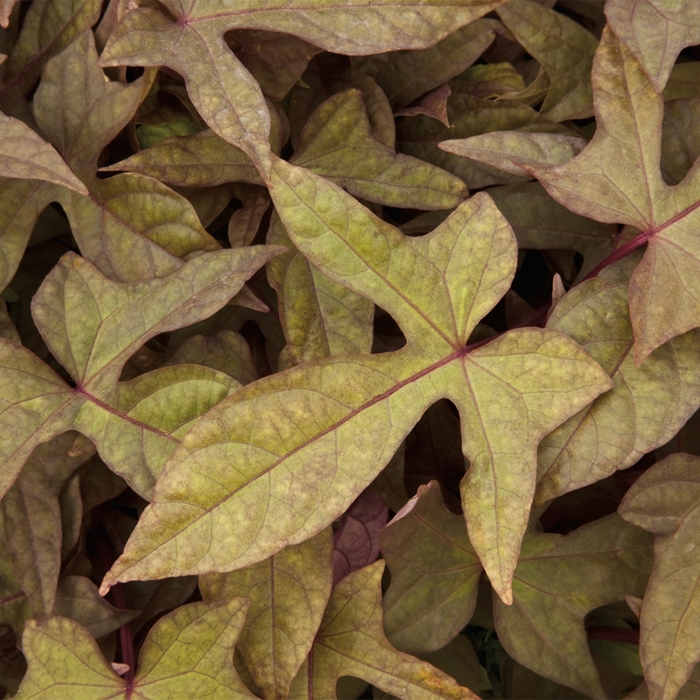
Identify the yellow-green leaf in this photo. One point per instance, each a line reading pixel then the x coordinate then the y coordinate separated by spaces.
pixel 665 500
pixel 294 437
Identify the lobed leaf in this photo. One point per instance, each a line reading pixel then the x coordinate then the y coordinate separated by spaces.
pixel 187 652
pixel 312 438
pixel 664 501
pixel 557 582
pixel 288 592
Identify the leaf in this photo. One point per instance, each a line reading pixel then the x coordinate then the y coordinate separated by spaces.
pixel 308 419
pixel 434 574
pixel 47 29
pixel 116 320
pixel 406 75
pixel 289 592
pixel 541 223
pixel 565 50
pixel 320 317
pixel 187 653
pixel 655 31
pixel 337 143
pixel 557 582
pixel 93 110
pixel 680 145
pixel 664 501
pixel 433 105
pixel 515 152
pixel 356 541
pixel 649 404
pixel 351 642
pixel 470 116
pixel 617 179
pixel 32 519
pixel 24 155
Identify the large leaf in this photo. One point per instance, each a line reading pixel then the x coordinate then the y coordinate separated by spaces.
pixel 351 642
pixel 617 179
pixel 288 592
pixel 116 319
pixel 655 31
pixel 666 501
pixel 434 574
pixel 225 93
pixel 310 439
pixel 557 582
pixel 649 404
pixel 188 653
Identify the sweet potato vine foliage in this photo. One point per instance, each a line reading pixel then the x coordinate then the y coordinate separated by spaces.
pixel 349 349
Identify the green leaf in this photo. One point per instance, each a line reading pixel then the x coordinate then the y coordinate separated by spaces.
pixel 150 134
pixel 648 405
pixel 469 116
pixel 47 29
pixel 337 143
pixel 223 91
pixel 617 179
pixel 187 654
pixel 116 320
pixel 320 317
pixel 406 75
pixel 311 418
pixel 434 574
pixel 665 501
pixel 557 582
pixel 565 50
pixel 288 592
pixel 93 110
pixel 680 143
pixel 655 31
pixel 25 155
pixel 32 520
pixel 351 642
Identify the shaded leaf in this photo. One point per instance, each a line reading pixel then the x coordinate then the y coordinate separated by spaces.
pixel 665 500
pixel 289 592
pixel 351 642
pixel 623 184
pixel 187 653
pixel 46 30
pixel 655 31
pixel 294 437
pixel 563 47
pixel 116 320
pixel 337 143
pixel 648 405
pixel 25 155
pixel 433 105
pixel 470 116
pixel 406 75
pixel 680 142
pixel 320 317
pixel 434 574
pixel 356 541
pixel 32 520
pixel 557 582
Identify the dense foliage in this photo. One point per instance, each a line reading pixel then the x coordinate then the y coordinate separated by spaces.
pixel 349 349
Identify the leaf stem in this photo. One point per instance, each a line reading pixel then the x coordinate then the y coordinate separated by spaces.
pixel 621 252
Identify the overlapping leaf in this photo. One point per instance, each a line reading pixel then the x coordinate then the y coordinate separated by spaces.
pixel 135 424
pixel 188 653
pixel 666 501
pixel 305 442
pixel 557 582
pixel 225 93
pixel 434 574
pixel 617 179
pixel 288 592
pixel 351 642
pixel 649 404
